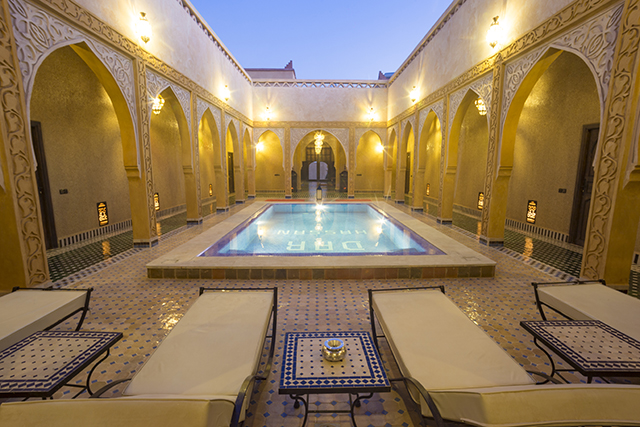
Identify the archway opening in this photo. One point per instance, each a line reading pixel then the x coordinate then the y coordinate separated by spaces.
pixel 309 168
pixel 209 145
pixel 269 173
pixel 369 164
pixel 428 173
pixel 84 142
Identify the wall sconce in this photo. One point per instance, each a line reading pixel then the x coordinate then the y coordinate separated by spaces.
pixel 143 28
pixel 379 147
pixel 319 138
pixel 226 93
pixel 428 188
pixel 157 104
pixel 532 211
pixel 156 201
pixel 267 113
pixel 413 95
pixel 480 200
pixel 103 215
pixel 210 190
pixel 495 33
pixel 481 106
pixel 260 146
pixel 372 115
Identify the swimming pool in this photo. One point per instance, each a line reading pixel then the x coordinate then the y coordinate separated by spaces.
pixel 185 262
pixel 321 230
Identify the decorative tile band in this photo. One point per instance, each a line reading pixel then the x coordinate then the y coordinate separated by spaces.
pixel 536 231
pixel 119 227
pixel 321 273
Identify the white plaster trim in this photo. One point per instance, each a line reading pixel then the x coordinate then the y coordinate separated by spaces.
pixel 482 87
pixel 156 84
pixel 202 107
pixel 342 135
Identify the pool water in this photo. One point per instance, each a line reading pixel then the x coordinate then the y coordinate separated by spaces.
pixel 313 229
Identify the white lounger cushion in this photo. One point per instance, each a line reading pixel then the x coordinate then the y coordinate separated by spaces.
pixel 540 405
pixel 211 350
pixel 27 311
pixel 172 411
pixel 595 302
pixel 438 345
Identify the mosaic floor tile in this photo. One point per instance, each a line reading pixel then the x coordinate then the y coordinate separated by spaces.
pixel 145 310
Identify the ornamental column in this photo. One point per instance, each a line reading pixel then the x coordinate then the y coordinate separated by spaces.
pixel 615 202
pixel 23 258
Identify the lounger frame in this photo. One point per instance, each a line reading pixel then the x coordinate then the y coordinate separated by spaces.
pixel 539 303
pixel 83 309
pixel 247 385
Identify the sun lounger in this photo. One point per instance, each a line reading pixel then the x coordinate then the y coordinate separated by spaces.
pixel 200 374
pixel 458 373
pixel 590 300
pixel 28 310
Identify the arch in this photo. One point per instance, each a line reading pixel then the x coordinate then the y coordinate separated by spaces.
pixel 389 163
pixel 557 135
pixel 299 154
pixel 404 171
pixel 369 168
pixel 269 175
pixel 234 162
pixel 451 155
pixel 172 158
pixel 248 162
pixel 81 146
pixel 340 136
pixel 428 161
pixel 209 147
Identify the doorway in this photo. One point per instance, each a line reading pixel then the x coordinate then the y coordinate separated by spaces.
pixel 231 173
pixel 44 190
pixel 584 185
pixel 407 175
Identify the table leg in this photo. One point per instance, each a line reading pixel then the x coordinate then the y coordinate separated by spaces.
pixel 553 366
pixel 356 403
pixel 296 404
pixel 93 369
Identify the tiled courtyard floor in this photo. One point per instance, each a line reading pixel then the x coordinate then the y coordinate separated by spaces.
pixel 145 310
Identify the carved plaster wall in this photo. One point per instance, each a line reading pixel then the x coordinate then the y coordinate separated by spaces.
pixel 38 33
pixel 230 119
pixel 593 41
pixel 438 109
pixel 156 84
pixel 342 135
pixel 482 87
pixel 202 107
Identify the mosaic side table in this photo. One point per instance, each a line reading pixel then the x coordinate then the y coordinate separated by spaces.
pixel 305 371
pixel 45 361
pixel 591 347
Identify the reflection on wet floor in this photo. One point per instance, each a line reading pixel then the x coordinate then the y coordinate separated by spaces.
pixel 62 262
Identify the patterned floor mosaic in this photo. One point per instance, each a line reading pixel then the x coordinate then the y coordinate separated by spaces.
pixel 145 310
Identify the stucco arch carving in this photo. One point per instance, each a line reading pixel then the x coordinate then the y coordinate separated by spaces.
pixel 482 87
pixel 156 84
pixel 438 110
pixel 202 107
pixel 279 132
pixel 236 123
pixel 38 34
pixel 361 131
pixel 341 135
pixel 593 42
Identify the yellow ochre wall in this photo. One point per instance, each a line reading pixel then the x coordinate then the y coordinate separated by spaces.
pixel 472 158
pixel 369 172
pixel 432 135
pixel 548 141
pixel 269 163
pixel 166 158
pixel 82 144
pixel 207 137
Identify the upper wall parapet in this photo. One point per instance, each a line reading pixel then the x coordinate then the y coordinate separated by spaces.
pixel 348 84
pixel 202 24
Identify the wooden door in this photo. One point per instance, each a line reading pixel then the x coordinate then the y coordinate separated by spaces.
pixel 584 185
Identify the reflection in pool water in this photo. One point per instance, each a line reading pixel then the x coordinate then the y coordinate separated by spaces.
pixel 330 230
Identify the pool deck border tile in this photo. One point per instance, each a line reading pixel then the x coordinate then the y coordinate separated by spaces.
pixel 184 261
